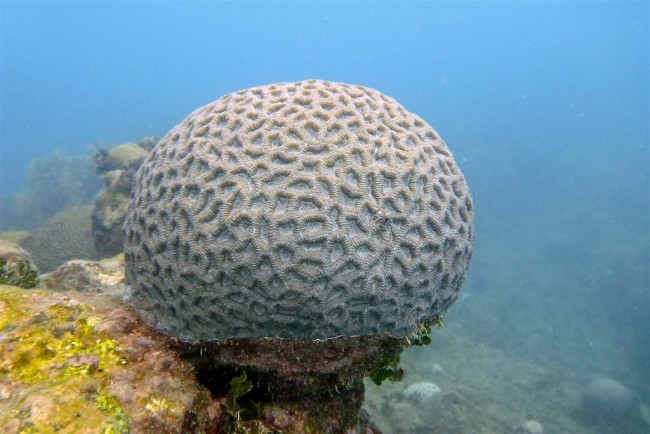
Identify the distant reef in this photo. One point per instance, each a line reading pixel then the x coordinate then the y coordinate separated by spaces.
pixel 54 183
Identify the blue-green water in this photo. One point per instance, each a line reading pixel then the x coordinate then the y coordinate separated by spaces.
pixel 545 105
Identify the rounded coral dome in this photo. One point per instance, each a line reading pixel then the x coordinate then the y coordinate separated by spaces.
pixel 297 210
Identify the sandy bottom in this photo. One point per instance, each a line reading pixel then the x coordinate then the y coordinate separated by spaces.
pixel 483 391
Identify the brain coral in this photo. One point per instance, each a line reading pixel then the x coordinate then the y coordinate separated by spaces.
pixel 297 210
pixel 64 236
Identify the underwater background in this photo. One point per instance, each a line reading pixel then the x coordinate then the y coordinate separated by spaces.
pixel 545 106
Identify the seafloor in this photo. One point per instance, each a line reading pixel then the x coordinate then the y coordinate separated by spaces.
pixel 547 308
pixel 484 390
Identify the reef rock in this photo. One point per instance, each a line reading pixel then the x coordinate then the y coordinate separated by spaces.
pixel 91 366
pixel 110 210
pixel 125 156
pixel 119 164
pixel 106 276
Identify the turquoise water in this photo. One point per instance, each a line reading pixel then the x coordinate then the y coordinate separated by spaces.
pixel 546 107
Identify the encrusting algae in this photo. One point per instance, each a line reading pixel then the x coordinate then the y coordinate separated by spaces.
pixel 58 352
pixel 73 367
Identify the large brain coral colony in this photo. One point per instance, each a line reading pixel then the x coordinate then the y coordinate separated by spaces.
pixel 309 210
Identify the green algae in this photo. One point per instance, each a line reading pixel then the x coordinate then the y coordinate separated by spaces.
pixel 240 416
pixel 421 335
pixel 391 373
pixel 390 369
pixel 19 274
pixel 117 422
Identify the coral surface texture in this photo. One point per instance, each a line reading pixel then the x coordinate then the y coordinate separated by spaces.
pixel 298 210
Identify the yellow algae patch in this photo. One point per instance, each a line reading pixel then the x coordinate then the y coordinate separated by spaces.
pixel 158 406
pixel 73 367
pixel 53 366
